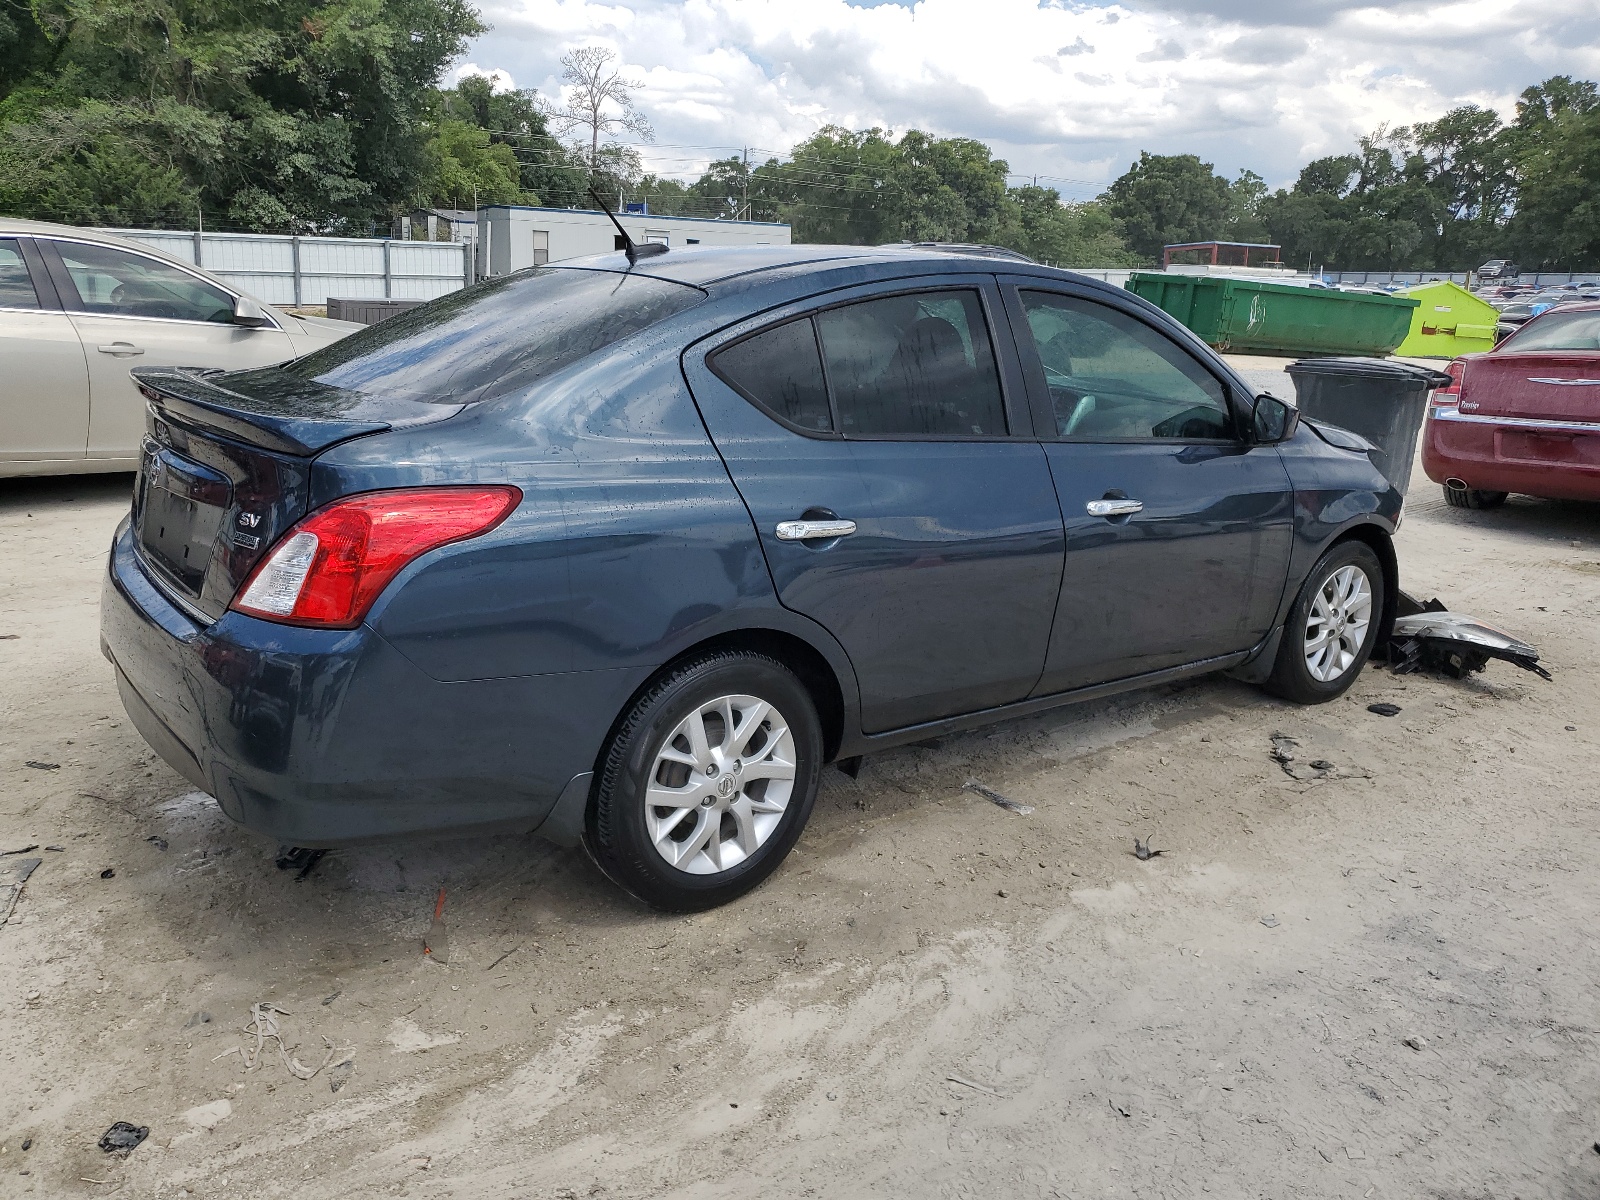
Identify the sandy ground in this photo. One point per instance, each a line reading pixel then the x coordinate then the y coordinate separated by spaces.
pixel 933 997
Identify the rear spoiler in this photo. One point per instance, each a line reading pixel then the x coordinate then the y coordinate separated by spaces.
pixel 277 411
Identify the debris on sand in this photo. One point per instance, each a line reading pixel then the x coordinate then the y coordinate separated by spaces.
pixel 264 1025
pixel 436 945
pixel 977 1087
pixel 292 857
pixel 1142 851
pixel 1004 801
pixel 1270 921
pixel 1430 637
pixel 122 1137
pixel 339 1074
pixel 1384 710
pixel 42 766
pixel 1287 753
pixel 12 876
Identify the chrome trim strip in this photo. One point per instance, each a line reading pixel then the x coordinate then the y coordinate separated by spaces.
pixel 1564 382
pixel 1453 414
pixel 89 312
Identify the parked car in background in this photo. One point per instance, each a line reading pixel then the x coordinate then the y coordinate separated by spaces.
pixel 1523 417
pixel 79 308
pixel 1499 268
pixel 626 553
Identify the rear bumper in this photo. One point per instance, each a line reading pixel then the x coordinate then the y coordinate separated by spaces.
pixel 1553 459
pixel 328 738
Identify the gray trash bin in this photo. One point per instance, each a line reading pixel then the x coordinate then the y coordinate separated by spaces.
pixel 1382 400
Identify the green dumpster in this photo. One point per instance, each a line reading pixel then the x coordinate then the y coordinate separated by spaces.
pixel 1252 316
pixel 1450 321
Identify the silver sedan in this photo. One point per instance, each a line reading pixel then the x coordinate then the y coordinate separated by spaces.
pixel 78 308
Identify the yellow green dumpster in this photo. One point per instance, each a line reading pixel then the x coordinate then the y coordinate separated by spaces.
pixel 1448 320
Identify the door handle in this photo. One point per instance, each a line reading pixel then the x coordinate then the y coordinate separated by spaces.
pixel 1114 508
pixel 121 349
pixel 806 531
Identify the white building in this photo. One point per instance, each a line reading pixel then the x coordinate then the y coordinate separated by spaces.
pixel 513 236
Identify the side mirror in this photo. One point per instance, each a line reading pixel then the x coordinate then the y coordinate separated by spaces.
pixel 1273 420
pixel 247 312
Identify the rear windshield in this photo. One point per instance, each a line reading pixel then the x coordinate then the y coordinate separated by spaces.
pixel 496 337
pixel 1559 331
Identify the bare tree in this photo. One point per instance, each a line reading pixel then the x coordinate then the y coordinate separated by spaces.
pixel 599 100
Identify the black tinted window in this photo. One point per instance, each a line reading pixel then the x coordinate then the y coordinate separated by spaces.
pixel 1111 376
pixel 917 364
pixel 781 371
pixel 16 288
pixel 496 337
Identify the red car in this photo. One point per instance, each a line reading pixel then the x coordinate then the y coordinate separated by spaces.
pixel 1523 417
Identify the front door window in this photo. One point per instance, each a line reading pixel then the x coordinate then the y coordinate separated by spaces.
pixel 117 282
pixel 1112 377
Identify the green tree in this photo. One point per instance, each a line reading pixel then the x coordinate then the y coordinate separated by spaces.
pixel 1165 199
pixel 1557 223
pixel 300 114
pixel 1064 235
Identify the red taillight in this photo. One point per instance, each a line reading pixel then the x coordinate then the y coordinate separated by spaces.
pixel 329 568
pixel 1451 392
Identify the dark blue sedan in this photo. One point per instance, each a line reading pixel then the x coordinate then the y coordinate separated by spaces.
pixel 625 553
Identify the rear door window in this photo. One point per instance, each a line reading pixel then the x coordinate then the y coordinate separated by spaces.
pixel 780 370
pixel 914 365
pixel 16 286
pixel 1114 378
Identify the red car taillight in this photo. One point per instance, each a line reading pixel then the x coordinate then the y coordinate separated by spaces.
pixel 328 569
pixel 1450 394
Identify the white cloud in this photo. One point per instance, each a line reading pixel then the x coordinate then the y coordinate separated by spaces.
pixel 499 80
pixel 1264 84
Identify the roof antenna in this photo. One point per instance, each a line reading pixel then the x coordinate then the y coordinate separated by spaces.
pixel 634 251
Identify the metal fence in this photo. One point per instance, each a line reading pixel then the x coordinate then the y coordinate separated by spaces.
pixel 1407 278
pixel 281 269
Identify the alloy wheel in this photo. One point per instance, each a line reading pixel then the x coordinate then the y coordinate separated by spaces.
pixel 1336 626
pixel 720 784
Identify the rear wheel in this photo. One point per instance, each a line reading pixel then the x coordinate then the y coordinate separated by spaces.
pixel 1464 497
pixel 708 782
pixel 1331 628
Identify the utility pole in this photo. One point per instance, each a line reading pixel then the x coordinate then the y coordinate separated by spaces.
pixel 747 183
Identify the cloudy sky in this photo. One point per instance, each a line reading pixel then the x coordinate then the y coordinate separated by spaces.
pixel 1068 91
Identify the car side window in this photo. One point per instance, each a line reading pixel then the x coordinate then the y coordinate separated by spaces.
pixel 780 370
pixel 919 364
pixel 1112 377
pixel 118 282
pixel 16 286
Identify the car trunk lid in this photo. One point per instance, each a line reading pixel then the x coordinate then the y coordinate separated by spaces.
pixel 225 469
pixel 1541 385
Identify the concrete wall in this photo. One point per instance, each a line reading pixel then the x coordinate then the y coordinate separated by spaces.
pixel 506 240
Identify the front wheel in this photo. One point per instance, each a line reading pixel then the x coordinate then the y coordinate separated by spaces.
pixel 1331 628
pixel 707 782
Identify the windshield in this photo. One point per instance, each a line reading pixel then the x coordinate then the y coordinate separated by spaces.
pixel 495 337
pixel 1559 331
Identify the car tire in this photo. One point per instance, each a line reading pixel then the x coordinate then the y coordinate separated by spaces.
pixel 737 795
pixel 1326 641
pixel 1473 498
